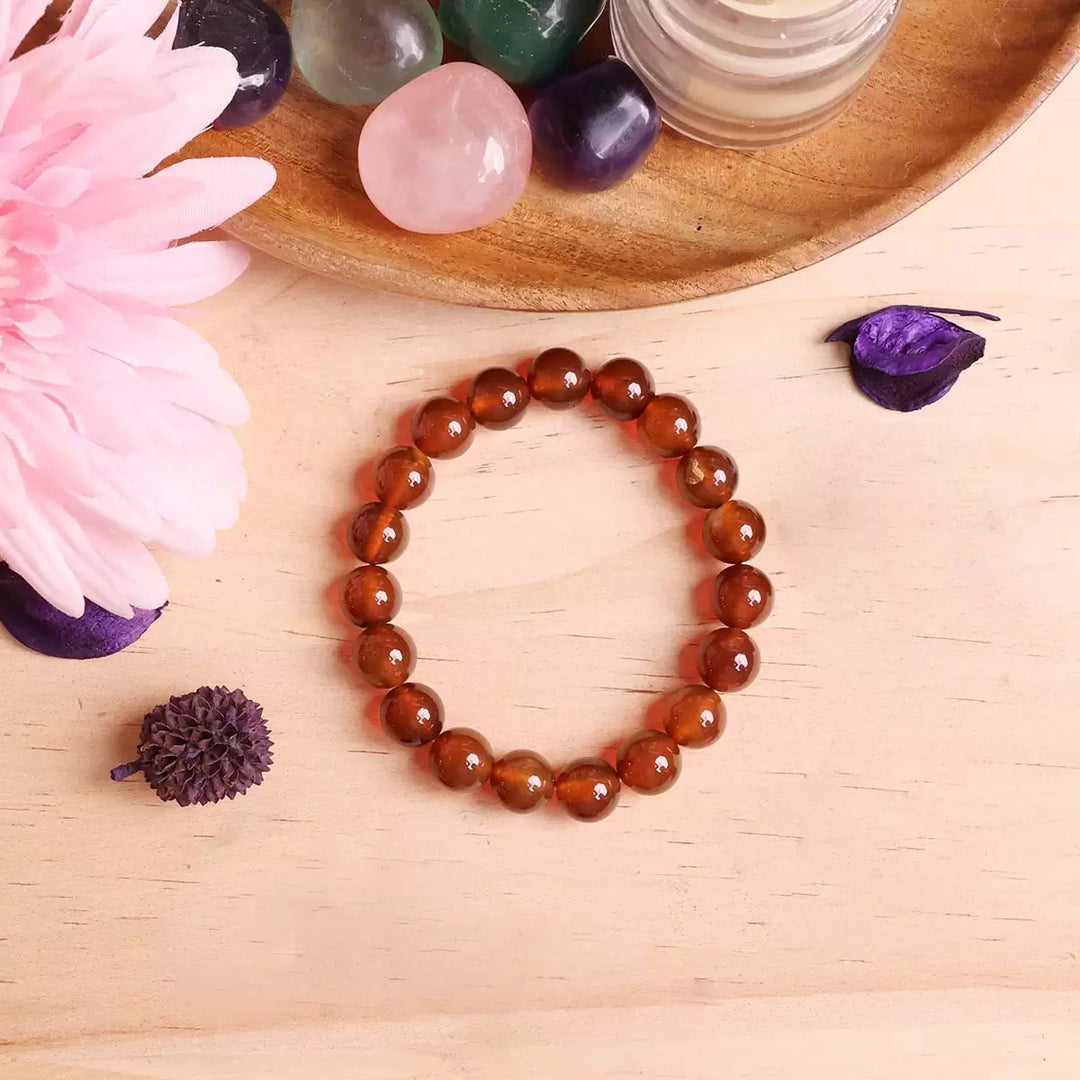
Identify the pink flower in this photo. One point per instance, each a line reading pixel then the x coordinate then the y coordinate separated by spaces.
pixel 113 413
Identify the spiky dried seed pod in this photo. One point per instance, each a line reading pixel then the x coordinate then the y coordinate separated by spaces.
pixel 202 747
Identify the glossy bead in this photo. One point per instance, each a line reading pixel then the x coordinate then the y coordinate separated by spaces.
pixel 385 655
pixel 669 425
pixel 728 659
pixel 622 388
pixel 734 532
pixel 404 477
pixel 742 596
pixel 695 716
pixel 498 397
pixel 588 788
pixel 522 42
pixel 707 476
pixel 412 713
pixel 358 52
pixel 370 594
pixel 649 762
pixel 461 758
pixel 523 781
pixel 559 378
pixel 259 41
pixel 593 128
pixel 378 533
pixel 448 152
pixel 443 427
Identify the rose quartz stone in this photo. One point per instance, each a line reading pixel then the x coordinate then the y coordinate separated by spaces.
pixel 447 152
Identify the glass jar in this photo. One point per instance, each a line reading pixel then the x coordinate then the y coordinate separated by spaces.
pixel 751 73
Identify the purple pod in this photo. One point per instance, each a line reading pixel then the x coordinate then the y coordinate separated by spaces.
pixel 34 622
pixel 906 357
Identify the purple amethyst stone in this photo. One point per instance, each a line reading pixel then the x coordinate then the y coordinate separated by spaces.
pixel 256 36
pixel 594 127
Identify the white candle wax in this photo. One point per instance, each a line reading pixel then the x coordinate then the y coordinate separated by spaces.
pixel 751 72
pixel 783 9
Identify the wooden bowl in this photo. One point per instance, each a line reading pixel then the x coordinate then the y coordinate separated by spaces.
pixel 957 78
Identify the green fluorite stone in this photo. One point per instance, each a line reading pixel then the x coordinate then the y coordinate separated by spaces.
pixel 524 41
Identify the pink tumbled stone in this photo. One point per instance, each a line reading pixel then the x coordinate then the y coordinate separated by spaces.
pixel 447 152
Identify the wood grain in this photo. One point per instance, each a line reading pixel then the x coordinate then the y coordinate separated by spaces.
pixel 874 873
pixel 956 79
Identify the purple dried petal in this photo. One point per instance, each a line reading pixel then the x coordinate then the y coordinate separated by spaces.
pixel 905 357
pixel 32 620
pixel 897 392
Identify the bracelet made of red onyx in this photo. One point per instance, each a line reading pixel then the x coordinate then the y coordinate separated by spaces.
pixel 734 532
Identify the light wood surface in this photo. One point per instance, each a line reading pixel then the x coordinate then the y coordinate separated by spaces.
pixel 956 78
pixel 874 874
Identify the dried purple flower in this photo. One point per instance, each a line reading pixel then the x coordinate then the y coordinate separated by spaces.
pixel 202 747
pixel 34 622
pixel 905 357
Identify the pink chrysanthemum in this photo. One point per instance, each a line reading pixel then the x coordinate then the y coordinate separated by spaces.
pixel 112 413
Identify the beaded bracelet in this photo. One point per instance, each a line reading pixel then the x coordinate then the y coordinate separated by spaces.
pixel 727 658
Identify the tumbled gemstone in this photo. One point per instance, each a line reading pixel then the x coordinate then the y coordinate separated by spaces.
pixel 593 128
pixel 358 52
pixel 449 151
pixel 256 36
pixel 522 42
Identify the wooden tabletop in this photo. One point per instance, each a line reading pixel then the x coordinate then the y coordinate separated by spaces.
pixel 874 873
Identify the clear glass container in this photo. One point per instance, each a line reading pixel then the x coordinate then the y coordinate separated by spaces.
pixel 751 73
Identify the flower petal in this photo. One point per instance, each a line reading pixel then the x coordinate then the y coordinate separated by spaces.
pixel 179 275
pixel 208 192
pixel 20 17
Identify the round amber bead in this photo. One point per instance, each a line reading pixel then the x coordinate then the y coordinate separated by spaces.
pixel 728 659
pixel 734 532
pixel 378 533
pixel 622 388
pixel 385 655
pixel 523 781
pixel 370 594
pixel 695 716
pixel 669 425
pixel 412 713
pixel 707 476
pixel 461 759
pixel 649 762
pixel 498 397
pixel 742 596
pixel 559 378
pixel 404 477
pixel 588 788
pixel 443 427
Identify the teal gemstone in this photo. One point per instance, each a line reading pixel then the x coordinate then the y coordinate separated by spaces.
pixel 524 41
